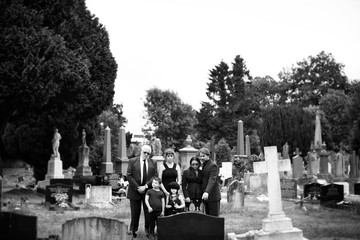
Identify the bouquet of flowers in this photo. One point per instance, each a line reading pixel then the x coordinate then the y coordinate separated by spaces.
pixel 61 200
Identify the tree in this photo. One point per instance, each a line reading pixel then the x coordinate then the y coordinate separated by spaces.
pixel 291 124
pixel 172 118
pixel 334 105
pixel 66 80
pixel 311 79
pixel 229 101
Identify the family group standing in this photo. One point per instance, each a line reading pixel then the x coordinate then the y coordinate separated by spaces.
pixel 159 193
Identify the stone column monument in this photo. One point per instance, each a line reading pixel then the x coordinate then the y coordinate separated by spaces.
pixel 107 167
pixel 122 160
pixel 158 153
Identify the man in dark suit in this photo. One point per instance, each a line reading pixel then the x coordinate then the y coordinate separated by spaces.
pixel 210 184
pixel 139 173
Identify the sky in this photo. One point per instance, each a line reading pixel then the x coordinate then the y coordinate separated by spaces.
pixel 173 44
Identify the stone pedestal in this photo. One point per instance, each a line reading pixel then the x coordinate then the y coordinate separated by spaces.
pixel 186 154
pixel 159 161
pixel 55 168
pixel 122 161
pixel 292 234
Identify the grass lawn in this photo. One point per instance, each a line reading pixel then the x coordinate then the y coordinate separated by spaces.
pixel 316 223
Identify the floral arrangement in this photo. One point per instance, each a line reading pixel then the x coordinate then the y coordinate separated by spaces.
pixel 61 200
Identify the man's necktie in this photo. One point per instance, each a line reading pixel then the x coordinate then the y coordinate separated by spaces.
pixel 144 172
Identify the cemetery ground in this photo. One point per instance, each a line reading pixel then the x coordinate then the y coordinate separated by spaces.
pixel 316 223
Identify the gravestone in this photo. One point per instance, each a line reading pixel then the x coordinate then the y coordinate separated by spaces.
pixel 94 228
pixel 18 226
pixel 194 226
pixel 312 191
pixel 357 188
pixel 58 188
pixel 226 170
pixel 83 168
pixel 65 181
pixel 331 194
pixel 288 188
pixel 276 226
pixel 297 165
pixel 346 187
pixel 256 183
pixel 122 160
pixel 235 194
pixel 100 196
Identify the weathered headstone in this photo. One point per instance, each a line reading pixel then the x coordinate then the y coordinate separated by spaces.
pixel 247 146
pixel 312 191
pixel 107 167
pixel 346 187
pixel 100 196
pixel 240 139
pixel 235 194
pixel 122 160
pixel 297 165
pixel 194 226
pixel 83 168
pixel 256 183
pixel 18 226
pixel 276 225
pixel 288 188
pixel 226 170
pixel 58 188
pixel 94 228
pixel 331 194
pixel 158 157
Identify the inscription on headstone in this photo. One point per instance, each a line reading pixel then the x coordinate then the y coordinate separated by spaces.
pixel 312 191
pixel 288 188
pixel 332 193
pixel 58 188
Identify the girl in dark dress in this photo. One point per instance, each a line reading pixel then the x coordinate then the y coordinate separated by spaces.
pixel 191 184
pixel 174 202
pixel 169 171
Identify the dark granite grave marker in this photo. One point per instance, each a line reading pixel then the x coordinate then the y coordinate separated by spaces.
pixel 54 189
pixel 194 226
pixel 18 226
pixel 332 193
pixel 312 191
pixel 65 181
pixel 357 188
pixel 288 188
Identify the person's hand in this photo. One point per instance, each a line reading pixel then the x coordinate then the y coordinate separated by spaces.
pixel 205 196
pixel 141 189
pixel 168 206
pixel 162 214
pixel 150 209
pixel 187 199
pixel 167 193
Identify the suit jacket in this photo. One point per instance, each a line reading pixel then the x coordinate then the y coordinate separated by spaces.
pixel 133 176
pixel 210 182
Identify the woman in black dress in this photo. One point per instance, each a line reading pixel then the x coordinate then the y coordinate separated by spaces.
pixel 191 184
pixel 169 171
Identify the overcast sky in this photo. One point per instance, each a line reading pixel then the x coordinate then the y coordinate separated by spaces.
pixel 172 44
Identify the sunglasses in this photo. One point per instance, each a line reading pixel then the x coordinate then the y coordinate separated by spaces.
pixel 146 153
pixel 194 164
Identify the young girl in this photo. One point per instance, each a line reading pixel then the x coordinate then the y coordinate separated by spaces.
pixel 155 202
pixel 175 202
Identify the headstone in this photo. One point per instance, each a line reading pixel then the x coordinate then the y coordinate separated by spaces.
pixel 340 164
pixel 346 187
pixel 107 167
pixel 298 166
pixel 101 196
pixel 288 188
pixel 276 225
pixel 314 162
pixel 18 226
pixel 235 194
pixel 354 171
pixel 285 152
pixel 157 153
pixel 312 191
pixel 256 183
pixel 357 188
pixel 58 188
pixel 122 160
pixel 83 168
pixel 94 228
pixel 194 226
pixel 331 194
pixel 64 181
pixel 226 170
